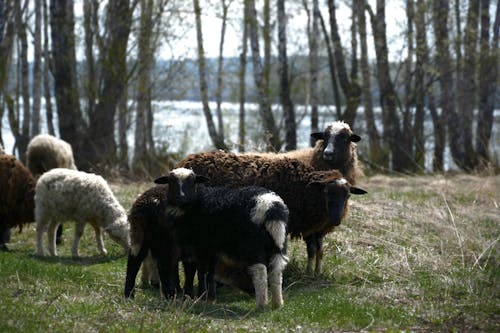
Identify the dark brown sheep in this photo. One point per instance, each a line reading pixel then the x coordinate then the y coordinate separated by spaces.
pixel 301 187
pixel 17 191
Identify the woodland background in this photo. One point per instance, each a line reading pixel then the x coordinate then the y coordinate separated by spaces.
pixel 91 70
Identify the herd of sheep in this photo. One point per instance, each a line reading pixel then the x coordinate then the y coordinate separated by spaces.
pixel 224 216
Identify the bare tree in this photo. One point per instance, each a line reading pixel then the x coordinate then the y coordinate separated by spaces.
pixel 37 70
pixel 242 78
pixel 273 140
pixel 46 72
pixel 286 101
pixel 313 32
pixel 7 28
pixel 217 139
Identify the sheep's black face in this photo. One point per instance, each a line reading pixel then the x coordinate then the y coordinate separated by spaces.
pixel 337 139
pixel 181 186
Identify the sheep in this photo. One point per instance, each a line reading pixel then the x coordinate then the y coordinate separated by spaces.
pixel 291 179
pixel 64 194
pixel 151 238
pixel 335 148
pixel 17 190
pixel 46 152
pixel 247 225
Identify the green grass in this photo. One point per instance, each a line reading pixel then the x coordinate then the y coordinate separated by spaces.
pixel 416 253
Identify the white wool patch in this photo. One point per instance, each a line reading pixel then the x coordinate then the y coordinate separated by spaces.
pixel 182 173
pixel 277 230
pixel 337 126
pixel 341 181
pixel 263 203
pixel 258 272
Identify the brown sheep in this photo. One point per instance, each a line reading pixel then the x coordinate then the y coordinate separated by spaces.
pixel 17 191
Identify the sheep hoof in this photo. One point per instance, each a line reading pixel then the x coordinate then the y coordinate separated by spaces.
pixel 3 247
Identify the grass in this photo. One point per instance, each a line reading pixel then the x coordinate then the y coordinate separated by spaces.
pixel 416 253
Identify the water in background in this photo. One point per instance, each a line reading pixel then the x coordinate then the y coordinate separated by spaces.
pixel 180 126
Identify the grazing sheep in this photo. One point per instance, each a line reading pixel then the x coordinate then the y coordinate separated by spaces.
pixel 336 148
pixel 46 152
pixel 246 225
pixel 64 194
pixel 151 239
pixel 292 180
pixel 17 190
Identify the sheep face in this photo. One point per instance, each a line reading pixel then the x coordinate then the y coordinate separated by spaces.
pixel 181 186
pixel 336 193
pixel 337 139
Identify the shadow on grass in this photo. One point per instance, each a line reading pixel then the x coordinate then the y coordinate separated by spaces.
pixel 81 261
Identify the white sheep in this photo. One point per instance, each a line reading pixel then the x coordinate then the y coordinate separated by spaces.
pixel 47 152
pixel 63 194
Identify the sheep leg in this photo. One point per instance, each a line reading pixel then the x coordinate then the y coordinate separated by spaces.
pixel 259 278
pixel 189 272
pixel 319 255
pixel 311 253
pixel 277 265
pixel 40 228
pixel 4 237
pixel 100 242
pixel 166 269
pixel 80 226
pixel 150 272
pixel 59 234
pixel 52 238
pixel 133 265
pixel 211 285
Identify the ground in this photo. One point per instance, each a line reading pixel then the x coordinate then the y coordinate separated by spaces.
pixel 415 253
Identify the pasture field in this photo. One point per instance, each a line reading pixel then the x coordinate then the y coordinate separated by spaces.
pixel 415 254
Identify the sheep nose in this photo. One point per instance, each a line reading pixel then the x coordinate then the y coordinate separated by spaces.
pixel 328 154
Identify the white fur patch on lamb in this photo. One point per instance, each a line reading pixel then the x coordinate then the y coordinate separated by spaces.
pixel 182 173
pixel 337 126
pixel 263 203
pixel 277 230
pixel 341 181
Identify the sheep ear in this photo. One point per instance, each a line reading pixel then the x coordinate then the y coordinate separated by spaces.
pixel 354 138
pixel 202 179
pixel 161 180
pixel 357 190
pixel 318 135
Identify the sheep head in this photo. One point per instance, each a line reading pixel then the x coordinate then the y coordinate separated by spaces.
pixel 181 186
pixel 337 139
pixel 336 193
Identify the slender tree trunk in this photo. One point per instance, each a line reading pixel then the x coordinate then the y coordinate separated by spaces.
pixel 91 77
pixel 377 156
pixel 113 64
pixel 331 66
pixel 314 70
pixel 286 101
pixel 266 36
pixel 351 89
pixel 220 66
pixel 49 114
pixel 468 86
pixel 421 50
pixel 145 58
pixel 7 32
pixel 488 71
pixel 37 70
pixel 123 125
pixel 272 133
pixel 24 136
pixel 217 139
pixel 242 79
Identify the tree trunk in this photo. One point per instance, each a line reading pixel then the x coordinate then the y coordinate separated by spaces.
pixel 91 77
pixel 272 133
pixel 313 70
pixel 421 52
pixel 145 57
pixel 65 85
pixel 286 101
pixel 123 125
pixel 488 71
pixel 217 139
pixel 24 137
pixel 351 89
pixel 266 36
pixel 37 70
pixel 242 78
pixel 113 64
pixel 220 66
pixel 46 72
pixel 468 87
pixel 377 156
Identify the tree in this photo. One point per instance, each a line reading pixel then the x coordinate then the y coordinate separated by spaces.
pixel 71 125
pixel 286 101
pixel 242 77
pixel 37 70
pixel 7 27
pixel 217 139
pixel 273 140
pixel 312 34
pixel 46 71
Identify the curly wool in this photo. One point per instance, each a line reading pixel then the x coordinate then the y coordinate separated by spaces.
pixel 47 152
pixel 64 194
